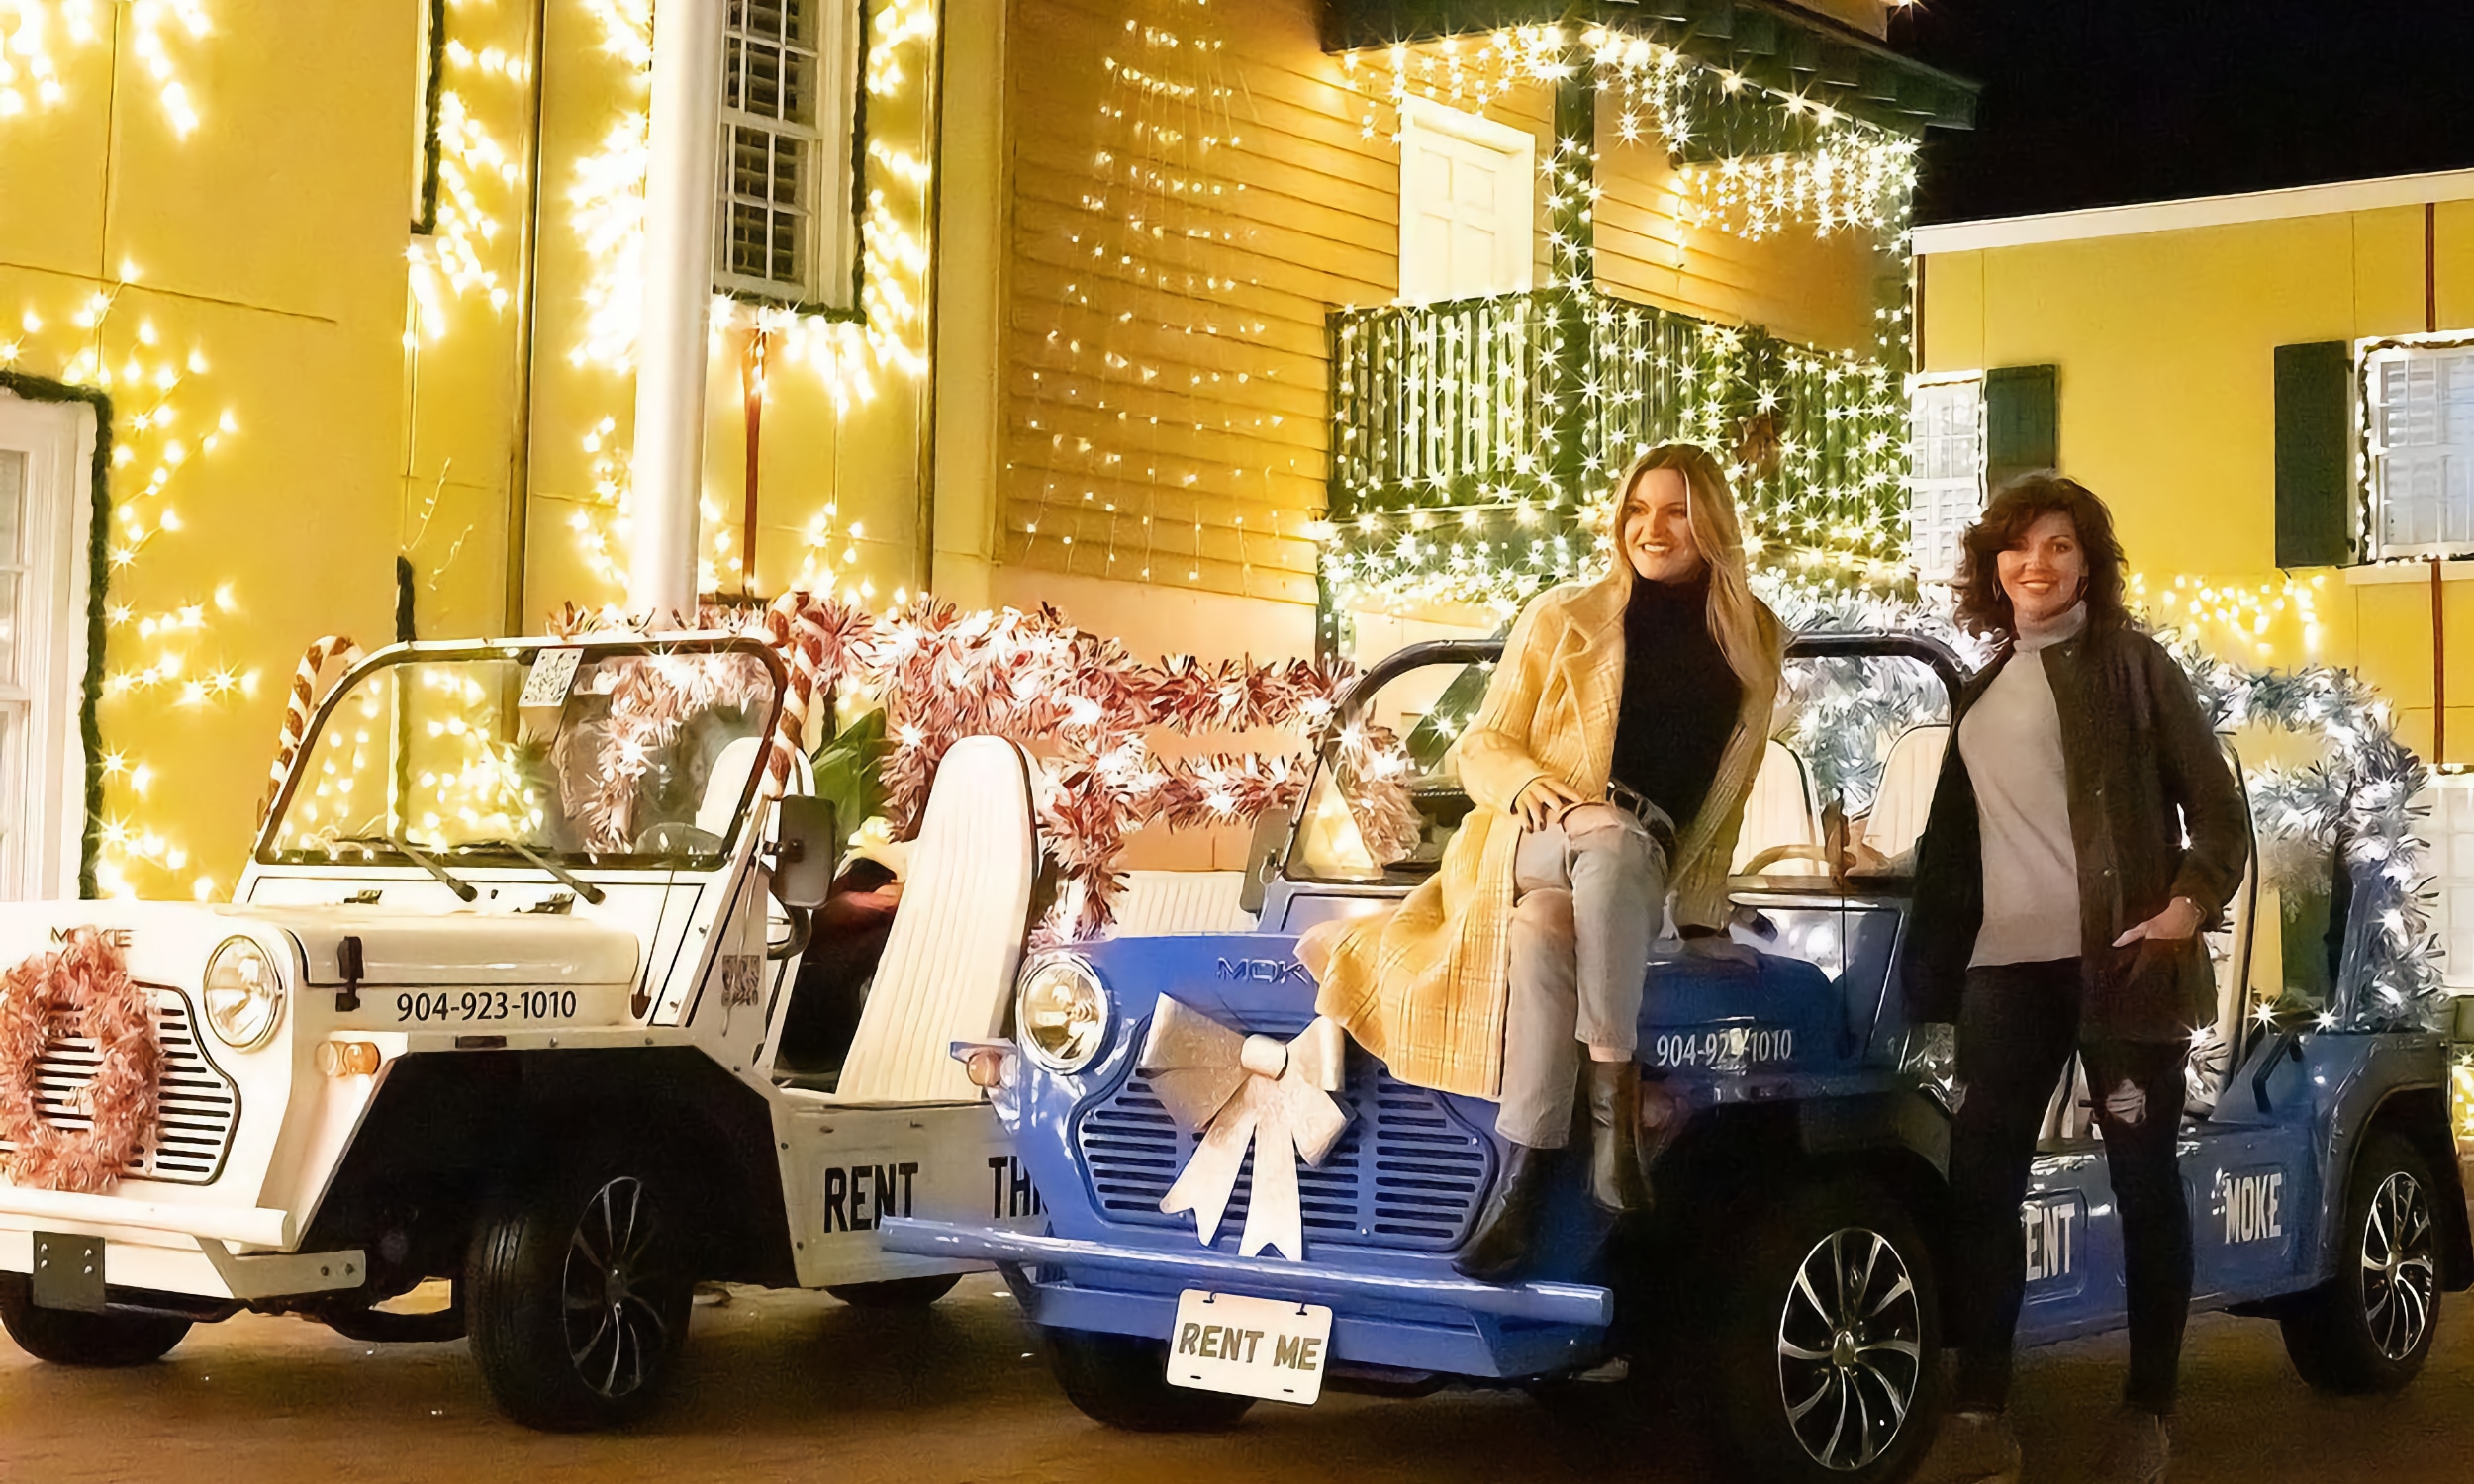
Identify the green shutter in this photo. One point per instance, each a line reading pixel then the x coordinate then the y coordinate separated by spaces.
pixel 2314 384
pixel 2022 425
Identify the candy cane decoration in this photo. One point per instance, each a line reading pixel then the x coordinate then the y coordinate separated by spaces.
pixel 823 640
pixel 297 707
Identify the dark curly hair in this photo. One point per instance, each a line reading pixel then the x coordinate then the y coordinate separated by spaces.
pixel 1983 607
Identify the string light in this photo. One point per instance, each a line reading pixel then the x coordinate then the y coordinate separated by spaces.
pixel 849 354
pixel 1160 395
pixel 2237 618
pixel 30 51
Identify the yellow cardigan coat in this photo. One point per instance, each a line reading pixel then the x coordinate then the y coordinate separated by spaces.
pixel 1424 987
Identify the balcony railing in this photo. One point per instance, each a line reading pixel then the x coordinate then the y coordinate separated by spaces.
pixel 1473 441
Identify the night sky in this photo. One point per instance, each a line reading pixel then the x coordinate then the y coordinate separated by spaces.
pixel 2101 102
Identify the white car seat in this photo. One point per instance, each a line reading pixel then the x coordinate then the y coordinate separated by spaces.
pixel 726 783
pixel 1905 798
pixel 1158 903
pixel 1779 811
pixel 949 961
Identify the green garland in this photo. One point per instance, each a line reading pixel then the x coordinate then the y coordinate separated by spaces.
pixel 432 149
pixel 97 577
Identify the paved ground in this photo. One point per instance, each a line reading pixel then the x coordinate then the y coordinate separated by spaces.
pixel 798 1387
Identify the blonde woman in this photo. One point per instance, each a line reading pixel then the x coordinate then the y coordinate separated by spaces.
pixel 1608 764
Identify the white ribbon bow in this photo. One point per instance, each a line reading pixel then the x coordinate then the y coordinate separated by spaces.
pixel 1251 1090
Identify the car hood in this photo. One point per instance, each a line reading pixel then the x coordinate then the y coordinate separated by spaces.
pixel 169 941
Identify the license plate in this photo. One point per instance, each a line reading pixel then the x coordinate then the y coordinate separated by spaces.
pixel 68 1272
pixel 1249 1346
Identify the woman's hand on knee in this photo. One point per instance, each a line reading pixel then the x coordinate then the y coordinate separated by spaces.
pixel 1544 801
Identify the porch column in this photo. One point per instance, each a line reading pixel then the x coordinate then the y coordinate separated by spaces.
pixel 679 194
pixel 1571 224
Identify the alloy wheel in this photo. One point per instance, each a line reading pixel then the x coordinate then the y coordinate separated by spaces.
pixel 2400 1274
pixel 1850 1349
pixel 615 1333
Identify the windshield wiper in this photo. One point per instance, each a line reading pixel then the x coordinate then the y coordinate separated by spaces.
pixel 568 879
pixel 463 890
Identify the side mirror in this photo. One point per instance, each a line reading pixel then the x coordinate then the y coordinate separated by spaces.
pixel 809 841
pixel 1262 857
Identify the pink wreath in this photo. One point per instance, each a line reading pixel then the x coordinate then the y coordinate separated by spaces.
pixel 81 988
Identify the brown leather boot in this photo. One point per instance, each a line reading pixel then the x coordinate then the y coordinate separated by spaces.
pixel 1612 1091
pixel 1506 1238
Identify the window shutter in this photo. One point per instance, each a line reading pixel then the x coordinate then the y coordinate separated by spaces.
pixel 2313 388
pixel 2021 422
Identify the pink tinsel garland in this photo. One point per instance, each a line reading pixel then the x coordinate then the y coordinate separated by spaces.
pixel 81 988
pixel 1033 678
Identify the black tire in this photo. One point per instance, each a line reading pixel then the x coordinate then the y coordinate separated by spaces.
pixel 577 1297
pixel 1122 1381
pixel 2368 1328
pixel 73 1336
pixel 1826 1335
pixel 895 1293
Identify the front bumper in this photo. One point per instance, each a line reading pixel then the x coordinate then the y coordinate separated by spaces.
pixel 162 1246
pixel 1429 1319
pixel 66 1210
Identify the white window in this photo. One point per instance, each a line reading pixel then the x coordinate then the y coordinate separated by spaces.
pixel 2450 826
pixel 1466 185
pixel 46 508
pixel 788 229
pixel 2420 414
pixel 1947 479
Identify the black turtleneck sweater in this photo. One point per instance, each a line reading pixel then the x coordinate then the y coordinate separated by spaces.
pixel 1679 697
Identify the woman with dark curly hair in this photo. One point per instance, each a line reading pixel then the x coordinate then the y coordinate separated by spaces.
pixel 2086 828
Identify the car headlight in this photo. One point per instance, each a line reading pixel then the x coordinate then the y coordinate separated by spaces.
pixel 1062 1013
pixel 244 995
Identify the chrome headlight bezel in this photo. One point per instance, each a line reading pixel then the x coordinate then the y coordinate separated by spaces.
pixel 1076 1043
pixel 245 1011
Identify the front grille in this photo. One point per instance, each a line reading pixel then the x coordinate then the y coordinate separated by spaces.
pixel 1408 1174
pixel 196 1104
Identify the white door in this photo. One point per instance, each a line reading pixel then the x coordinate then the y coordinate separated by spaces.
pixel 1467 188
pixel 46 512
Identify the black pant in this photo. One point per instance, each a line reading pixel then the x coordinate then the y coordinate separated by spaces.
pixel 2017 1029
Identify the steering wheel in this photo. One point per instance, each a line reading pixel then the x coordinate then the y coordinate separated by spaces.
pixel 1777 852
pixel 673 838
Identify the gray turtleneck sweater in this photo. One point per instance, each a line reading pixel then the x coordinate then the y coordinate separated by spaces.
pixel 2011 742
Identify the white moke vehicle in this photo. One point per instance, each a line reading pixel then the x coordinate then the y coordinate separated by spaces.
pixel 497 1001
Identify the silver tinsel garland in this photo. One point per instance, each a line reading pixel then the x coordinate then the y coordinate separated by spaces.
pixel 2359 798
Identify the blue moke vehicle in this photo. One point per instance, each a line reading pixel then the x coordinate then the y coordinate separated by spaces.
pixel 1796 1129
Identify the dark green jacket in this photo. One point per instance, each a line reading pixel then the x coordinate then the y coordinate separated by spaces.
pixel 2144 769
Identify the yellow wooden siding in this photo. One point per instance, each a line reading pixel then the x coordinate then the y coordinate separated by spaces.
pixel 2165 344
pixel 1167 396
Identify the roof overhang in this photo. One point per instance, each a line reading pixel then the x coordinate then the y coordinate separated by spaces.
pixel 1769 41
pixel 2334 199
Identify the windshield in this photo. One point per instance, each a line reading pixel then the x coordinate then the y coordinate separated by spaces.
pixel 587 754
pixel 1853 754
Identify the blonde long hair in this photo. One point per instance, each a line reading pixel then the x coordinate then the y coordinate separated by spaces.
pixel 1710 502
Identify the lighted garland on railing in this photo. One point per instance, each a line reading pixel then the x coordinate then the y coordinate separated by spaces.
pixel 1449 484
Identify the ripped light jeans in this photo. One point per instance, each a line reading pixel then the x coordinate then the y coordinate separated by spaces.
pixel 1587 897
